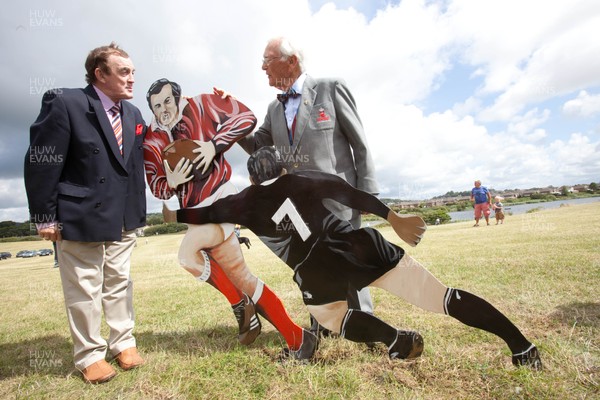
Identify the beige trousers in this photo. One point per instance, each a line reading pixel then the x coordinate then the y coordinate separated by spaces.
pixel 95 278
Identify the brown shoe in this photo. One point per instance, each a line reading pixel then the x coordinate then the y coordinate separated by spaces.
pixel 98 372
pixel 129 359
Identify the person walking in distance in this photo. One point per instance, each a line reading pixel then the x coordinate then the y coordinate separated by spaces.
pixel 482 202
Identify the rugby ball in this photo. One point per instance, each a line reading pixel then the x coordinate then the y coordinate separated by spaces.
pixel 180 148
pixel 183 148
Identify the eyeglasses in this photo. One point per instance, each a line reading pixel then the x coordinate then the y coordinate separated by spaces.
pixel 268 60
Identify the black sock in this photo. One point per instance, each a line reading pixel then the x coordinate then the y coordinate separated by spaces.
pixel 363 327
pixel 478 313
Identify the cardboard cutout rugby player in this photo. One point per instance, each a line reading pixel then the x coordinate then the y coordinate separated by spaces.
pixel 287 213
pixel 184 156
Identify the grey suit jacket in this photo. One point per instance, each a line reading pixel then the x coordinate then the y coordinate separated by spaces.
pixel 328 136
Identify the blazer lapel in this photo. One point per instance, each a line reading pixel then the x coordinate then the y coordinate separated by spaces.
pixel 303 114
pixel 107 129
pixel 280 137
pixel 128 123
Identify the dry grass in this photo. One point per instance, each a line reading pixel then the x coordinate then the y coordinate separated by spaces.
pixel 541 269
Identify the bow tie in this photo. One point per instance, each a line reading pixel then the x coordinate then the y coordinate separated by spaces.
pixel 283 97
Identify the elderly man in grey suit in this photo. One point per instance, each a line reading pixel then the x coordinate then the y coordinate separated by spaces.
pixel 315 126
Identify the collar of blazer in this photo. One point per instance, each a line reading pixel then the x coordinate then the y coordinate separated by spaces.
pixel 303 114
pixel 279 124
pixel 127 121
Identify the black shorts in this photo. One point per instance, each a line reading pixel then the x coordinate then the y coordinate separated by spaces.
pixel 342 259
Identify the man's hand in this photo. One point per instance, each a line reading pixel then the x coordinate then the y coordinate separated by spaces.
pixel 49 232
pixel 206 152
pixel 409 228
pixel 180 174
pixel 224 95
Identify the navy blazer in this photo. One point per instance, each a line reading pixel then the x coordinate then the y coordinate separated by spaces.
pixel 74 172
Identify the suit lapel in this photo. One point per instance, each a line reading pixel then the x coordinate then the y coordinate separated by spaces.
pixel 128 122
pixel 280 126
pixel 303 114
pixel 107 129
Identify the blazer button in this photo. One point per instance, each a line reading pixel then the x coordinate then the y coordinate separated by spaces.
pixel 98 204
pixel 96 150
pixel 102 180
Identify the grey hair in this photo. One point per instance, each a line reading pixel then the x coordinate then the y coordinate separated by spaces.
pixel 287 49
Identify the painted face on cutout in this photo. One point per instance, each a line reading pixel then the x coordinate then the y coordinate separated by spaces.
pixel 164 106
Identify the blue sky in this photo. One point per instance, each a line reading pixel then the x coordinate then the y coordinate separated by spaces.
pixel 454 86
pixel 459 83
pixel 448 91
pixel 368 8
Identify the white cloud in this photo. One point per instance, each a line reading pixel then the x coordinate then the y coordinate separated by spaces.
pixel 469 107
pixel 528 51
pixel 577 158
pixel 584 105
pixel 525 127
pixel 13 200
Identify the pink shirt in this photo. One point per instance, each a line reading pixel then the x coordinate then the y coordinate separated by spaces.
pixel 107 103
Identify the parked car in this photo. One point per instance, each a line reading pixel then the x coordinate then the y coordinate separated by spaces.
pixel 45 252
pixel 26 254
pixel 4 255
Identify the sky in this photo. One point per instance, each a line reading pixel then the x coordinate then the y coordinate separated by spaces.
pixel 451 91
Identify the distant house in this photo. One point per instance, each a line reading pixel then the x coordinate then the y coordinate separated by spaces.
pixel 403 205
pixel 528 192
pixel 580 188
pixel 517 193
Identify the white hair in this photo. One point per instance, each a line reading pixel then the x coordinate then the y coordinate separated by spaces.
pixel 287 49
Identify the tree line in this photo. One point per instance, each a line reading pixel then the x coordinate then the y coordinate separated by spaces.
pixel 156 226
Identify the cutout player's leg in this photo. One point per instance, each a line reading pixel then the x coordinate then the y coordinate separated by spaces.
pixel 267 303
pixel 194 259
pixel 363 327
pixel 411 281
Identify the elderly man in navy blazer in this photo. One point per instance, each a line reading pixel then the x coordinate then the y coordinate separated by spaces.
pixel 85 183
pixel 314 124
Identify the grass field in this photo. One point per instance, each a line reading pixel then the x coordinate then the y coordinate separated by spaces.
pixel 541 269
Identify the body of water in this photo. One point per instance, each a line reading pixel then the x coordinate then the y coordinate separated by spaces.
pixel 521 208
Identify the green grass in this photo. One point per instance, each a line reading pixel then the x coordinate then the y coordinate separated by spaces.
pixel 542 270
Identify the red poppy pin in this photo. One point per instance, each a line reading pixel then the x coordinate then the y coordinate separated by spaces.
pixel 139 129
pixel 322 116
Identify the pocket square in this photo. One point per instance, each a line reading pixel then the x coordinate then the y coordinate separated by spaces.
pixel 139 129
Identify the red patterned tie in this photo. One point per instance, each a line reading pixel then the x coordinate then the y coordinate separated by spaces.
pixel 115 111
